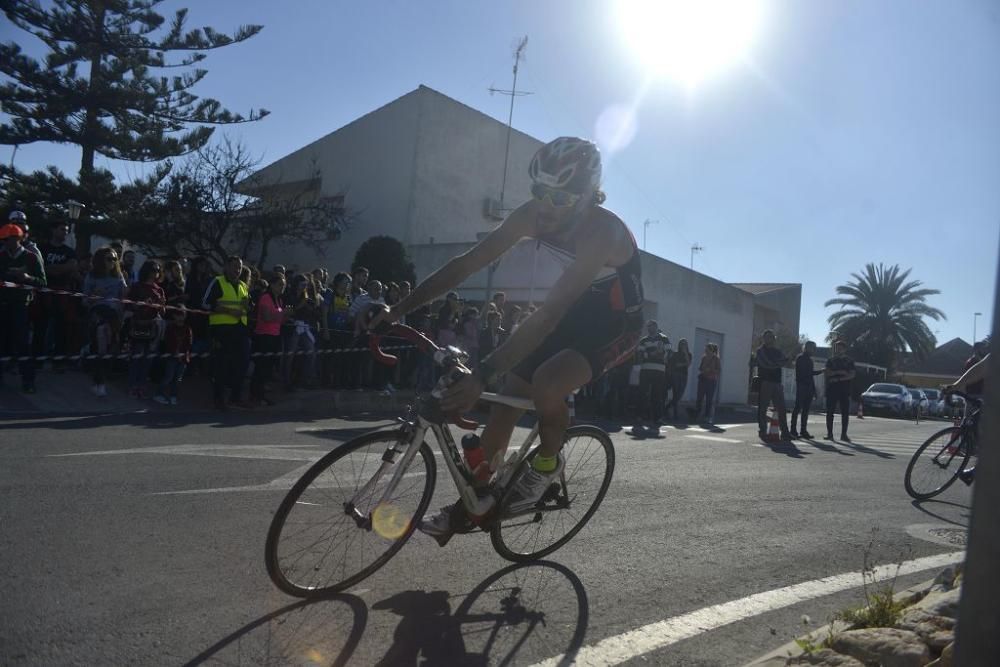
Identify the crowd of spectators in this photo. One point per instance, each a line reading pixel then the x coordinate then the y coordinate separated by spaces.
pixel 308 329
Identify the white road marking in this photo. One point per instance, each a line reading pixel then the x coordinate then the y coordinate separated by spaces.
pixel 713 438
pixel 631 644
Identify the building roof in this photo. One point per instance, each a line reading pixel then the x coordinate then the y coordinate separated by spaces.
pixel 761 288
pixel 947 359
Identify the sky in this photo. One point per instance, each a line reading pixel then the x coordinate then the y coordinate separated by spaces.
pixel 840 133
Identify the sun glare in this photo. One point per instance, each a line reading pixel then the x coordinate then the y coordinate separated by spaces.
pixel 688 41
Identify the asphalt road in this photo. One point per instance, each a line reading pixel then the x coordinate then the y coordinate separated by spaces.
pixel 139 539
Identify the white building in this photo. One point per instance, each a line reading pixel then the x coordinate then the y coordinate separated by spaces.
pixel 427 170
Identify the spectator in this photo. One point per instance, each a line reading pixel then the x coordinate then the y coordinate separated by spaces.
pixel 198 282
pixel 469 335
pixel 839 372
pixel 305 322
pixel 174 285
pixel 512 316
pixel 678 364
pixel 229 300
pixel 106 284
pixel 375 375
pixel 271 315
pixel 58 312
pixel 651 355
pixel 359 282
pixel 491 337
pixel 709 371
pixel 129 271
pixel 279 268
pixel 144 326
pixel 177 343
pixel 425 365
pixel 20 266
pixel 404 289
pixel 769 362
pixel 338 329
pixel 447 322
pixel 805 388
pixel 21 220
pixel 391 294
pixel 499 302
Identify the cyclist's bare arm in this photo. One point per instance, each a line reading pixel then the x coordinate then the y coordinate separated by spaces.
pixel 517 225
pixel 593 251
pixel 975 373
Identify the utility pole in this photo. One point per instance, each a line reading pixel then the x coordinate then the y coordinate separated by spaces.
pixel 695 248
pixel 645 226
pixel 512 93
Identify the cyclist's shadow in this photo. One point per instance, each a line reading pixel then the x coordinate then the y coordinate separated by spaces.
pixel 518 614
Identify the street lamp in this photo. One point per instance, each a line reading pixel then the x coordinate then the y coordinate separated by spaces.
pixel 75 208
pixel 975 316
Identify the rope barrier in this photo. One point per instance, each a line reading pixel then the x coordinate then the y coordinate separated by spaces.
pixel 194 355
pixel 94 297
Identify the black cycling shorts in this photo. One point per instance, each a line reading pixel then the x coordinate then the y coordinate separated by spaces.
pixel 603 336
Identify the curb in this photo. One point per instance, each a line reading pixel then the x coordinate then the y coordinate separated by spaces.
pixel 780 656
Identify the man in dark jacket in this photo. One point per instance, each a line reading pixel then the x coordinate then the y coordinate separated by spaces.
pixel 805 388
pixel 769 363
pixel 18 265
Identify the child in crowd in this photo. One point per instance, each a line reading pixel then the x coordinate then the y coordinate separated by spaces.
pixel 177 342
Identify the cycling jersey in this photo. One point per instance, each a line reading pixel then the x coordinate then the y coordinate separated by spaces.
pixel 603 325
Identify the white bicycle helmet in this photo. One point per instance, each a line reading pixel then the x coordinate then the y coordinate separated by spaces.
pixel 567 163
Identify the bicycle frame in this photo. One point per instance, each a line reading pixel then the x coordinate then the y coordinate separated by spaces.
pixel 415 429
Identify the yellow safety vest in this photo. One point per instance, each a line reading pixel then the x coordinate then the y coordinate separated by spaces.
pixel 231 296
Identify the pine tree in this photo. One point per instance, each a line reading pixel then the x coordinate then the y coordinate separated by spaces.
pixel 98 87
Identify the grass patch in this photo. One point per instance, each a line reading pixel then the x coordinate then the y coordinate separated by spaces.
pixel 881 608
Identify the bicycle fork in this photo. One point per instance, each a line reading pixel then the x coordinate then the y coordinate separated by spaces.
pixel 415 435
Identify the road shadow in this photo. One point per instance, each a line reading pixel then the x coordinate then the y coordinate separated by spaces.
pixel 785 447
pixel 824 446
pixel 922 505
pixel 643 434
pixel 521 613
pixel 858 447
pixel 326 631
pixel 342 434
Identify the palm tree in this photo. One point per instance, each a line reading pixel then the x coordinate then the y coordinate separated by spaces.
pixel 882 314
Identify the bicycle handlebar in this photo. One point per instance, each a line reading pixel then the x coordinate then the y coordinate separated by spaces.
pixel 424 344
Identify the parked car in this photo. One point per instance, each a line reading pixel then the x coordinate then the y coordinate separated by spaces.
pixel 936 407
pixel 889 398
pixel 920 401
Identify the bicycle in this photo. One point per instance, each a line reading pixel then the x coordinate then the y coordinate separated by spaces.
pixel 945 456
pixel 372 491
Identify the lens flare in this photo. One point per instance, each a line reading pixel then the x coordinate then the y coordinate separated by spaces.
pixel 389 522
pixel 616 128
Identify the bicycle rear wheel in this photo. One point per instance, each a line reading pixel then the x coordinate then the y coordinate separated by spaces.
pixel 936 464
pixel 319 543
pixel 568 505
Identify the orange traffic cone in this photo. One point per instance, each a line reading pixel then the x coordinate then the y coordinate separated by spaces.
pixel 773 432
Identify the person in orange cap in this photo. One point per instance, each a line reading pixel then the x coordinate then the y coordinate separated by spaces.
pixel 18 265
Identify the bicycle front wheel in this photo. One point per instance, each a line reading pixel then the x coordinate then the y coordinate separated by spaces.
pixel 569 503
pixel 936 464
pixel 327 536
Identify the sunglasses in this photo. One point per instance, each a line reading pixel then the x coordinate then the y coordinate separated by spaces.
pixel 557 198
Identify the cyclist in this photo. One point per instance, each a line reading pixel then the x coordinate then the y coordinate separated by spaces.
pixel 590 322
pixel 971 383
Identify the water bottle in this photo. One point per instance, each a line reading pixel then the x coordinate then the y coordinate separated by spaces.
pixel 475 458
